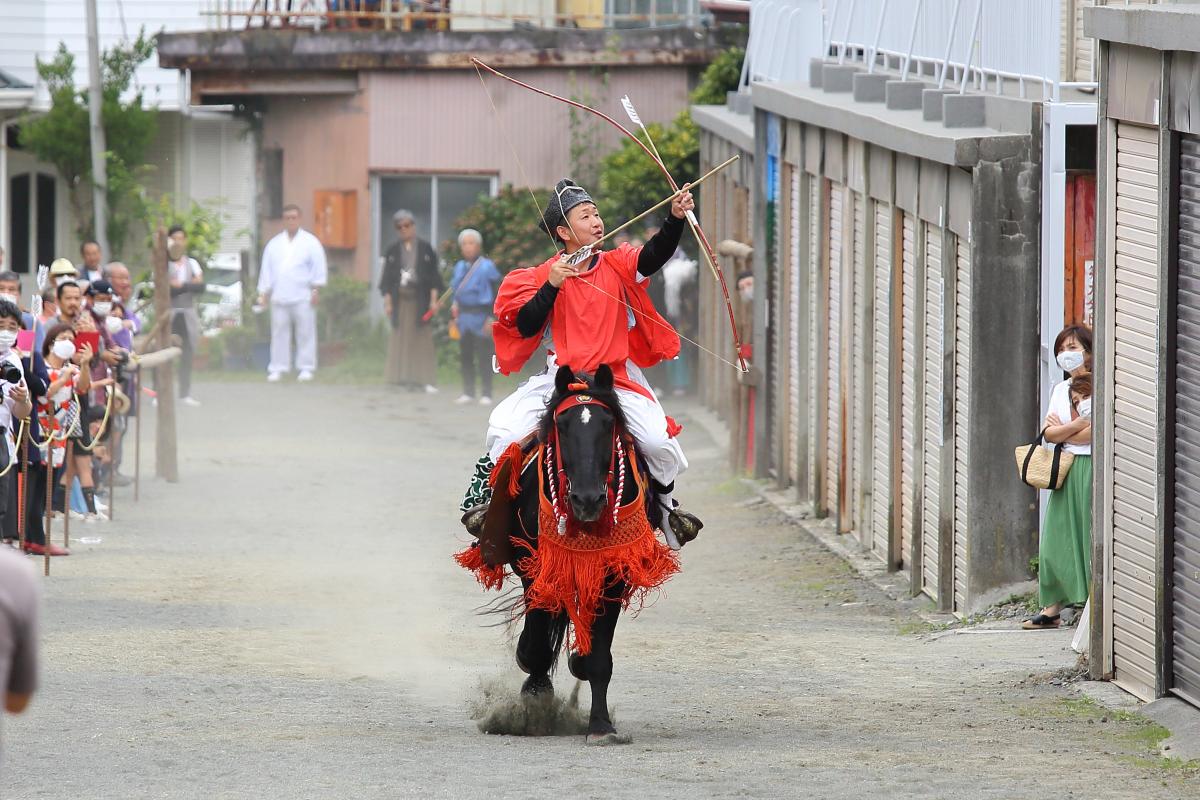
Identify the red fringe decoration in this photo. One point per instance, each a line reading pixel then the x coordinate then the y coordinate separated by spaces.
pixel 570 573
pixel 512 454
pixel 472 561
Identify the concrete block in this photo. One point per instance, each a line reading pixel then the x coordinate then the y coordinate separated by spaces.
pixel 1183 721
pixel 904 95
pixel 931 103
pixel 964 111
pixel 870 88
pixel 838 77
pixel 739 102
pixel 816 66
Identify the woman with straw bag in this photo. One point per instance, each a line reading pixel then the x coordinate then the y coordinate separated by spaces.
pixel 1065 546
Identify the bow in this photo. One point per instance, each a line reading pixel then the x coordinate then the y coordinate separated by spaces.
pixel 701 239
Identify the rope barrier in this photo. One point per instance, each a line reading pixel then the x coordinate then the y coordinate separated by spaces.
pixel 20 434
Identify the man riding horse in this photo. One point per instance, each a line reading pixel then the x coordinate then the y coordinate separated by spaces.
pixel 592 313
pixel 562 497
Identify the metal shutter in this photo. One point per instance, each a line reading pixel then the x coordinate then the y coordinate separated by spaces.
pixel 1185 591
pixel 881 476
pixel 931 478
pixel 814 275
pixel 962 410
pixel 222 176
pixel 833 431
pixel 908 386
pixel 1135 466
pixel 793 353
pixel 858 378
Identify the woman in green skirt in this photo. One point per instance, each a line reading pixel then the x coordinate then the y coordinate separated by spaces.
pixel 1065 548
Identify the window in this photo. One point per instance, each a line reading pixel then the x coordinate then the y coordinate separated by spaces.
pixel 273 182
pixel 437 201
pixel 32 221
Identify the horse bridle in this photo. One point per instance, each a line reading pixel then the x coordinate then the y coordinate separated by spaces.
pixel 556 474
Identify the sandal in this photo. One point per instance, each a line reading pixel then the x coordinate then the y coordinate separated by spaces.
pixel 1040 622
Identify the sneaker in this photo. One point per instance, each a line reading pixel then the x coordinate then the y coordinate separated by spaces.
pixel 485 401
pixel 273 377
pixel 188 400
pixel 463 399
pixel 305 375
pixel 431 389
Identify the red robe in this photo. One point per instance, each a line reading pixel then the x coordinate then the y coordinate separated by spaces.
pixel 589 322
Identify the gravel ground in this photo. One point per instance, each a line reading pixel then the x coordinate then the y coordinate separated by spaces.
pixel 286 623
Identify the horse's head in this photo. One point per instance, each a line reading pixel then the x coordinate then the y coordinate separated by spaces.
pixel 585 417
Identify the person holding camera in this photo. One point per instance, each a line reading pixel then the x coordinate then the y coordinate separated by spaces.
pixel 15 406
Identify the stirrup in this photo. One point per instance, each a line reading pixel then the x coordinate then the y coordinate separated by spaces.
pixel 473 519
pixel 684 525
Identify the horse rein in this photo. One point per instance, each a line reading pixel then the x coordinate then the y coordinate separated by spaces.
pixel 555 472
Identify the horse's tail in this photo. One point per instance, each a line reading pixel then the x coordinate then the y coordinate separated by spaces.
pixel 558 637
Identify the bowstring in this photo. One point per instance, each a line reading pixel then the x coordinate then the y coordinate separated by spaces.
pixel 529 187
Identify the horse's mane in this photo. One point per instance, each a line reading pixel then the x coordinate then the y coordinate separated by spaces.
pixel 606 396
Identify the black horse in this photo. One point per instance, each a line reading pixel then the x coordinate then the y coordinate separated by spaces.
pixel 585 434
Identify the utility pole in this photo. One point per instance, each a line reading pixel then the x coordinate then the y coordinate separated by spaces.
pixel 99 146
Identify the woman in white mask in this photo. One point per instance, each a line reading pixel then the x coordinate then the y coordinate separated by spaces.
pixel 1065 546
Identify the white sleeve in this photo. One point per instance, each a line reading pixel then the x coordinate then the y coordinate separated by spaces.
pixel 195 268
pixel 266 270
pixel 320 270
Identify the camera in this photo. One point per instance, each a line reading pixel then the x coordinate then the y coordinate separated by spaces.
pixel 10 373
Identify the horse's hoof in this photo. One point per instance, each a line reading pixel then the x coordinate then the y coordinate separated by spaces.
pixel 606 739
pixel 577 666
pixel 537 686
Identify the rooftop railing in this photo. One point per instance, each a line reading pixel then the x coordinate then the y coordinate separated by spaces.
pixel 981 45
pixel 454 15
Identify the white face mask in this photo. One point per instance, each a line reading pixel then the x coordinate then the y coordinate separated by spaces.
pixel 64 349
pixel 103 309
pixel 113 324
pixel 7 340
pixel 12 298
pixel 1085 407
pixel 1070 360
pixel 747 295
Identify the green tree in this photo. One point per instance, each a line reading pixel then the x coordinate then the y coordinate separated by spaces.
pixel 202 225
pixel 61 137
pixel 630 182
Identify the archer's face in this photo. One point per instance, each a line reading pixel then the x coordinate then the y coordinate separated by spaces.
pixel 584 225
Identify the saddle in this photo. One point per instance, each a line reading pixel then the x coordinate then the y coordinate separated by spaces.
pixel 495 539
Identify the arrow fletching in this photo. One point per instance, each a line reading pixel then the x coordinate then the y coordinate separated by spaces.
pixel 631 111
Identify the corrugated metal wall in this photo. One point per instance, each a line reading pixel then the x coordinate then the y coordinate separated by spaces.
pixel 931 469
pixel 881 476
pixel 858 393
pixel 962 414
pixel 833 398
pixel 908 392
pixel 1135 464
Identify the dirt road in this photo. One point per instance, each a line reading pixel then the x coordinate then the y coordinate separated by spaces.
pixel 286 623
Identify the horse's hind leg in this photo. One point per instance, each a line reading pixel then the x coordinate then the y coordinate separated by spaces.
pixel 599 666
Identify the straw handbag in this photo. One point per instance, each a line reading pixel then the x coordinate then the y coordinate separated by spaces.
pixel 1041 467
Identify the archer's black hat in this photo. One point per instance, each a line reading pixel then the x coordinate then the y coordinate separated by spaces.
pixel 567 194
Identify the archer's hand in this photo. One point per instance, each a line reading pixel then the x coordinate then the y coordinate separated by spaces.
pixel 561 271
pixel 682 202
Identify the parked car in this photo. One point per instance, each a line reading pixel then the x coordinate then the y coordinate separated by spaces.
pixel 220 306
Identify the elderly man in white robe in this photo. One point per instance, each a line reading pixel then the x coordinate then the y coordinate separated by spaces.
pixel 290 279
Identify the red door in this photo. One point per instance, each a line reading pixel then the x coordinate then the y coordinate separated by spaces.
pixel 1080 255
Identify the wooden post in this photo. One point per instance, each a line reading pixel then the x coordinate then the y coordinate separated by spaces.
pixel 112 461
pixel 165 461
pixel 23 482
pixel 48 465
pixel 68 479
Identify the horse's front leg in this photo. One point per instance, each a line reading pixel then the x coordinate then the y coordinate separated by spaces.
pixel 598 666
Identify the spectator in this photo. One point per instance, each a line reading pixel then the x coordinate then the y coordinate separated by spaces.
pixel 62 270
pixel 679 303
pixel 10 289
pixel 410 285
pixel 37 379
pixel 290 279
pixel 90 270
pixel 49 305
pixel 1065 546
pixel 118 277
pixel 18 631
pixel 14 406
pixel 475 280
pixel 187 280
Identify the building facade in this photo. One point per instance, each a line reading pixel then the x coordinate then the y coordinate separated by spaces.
pixel 384 121
pixel 1146 562
pixel 198 155
pixel 923 215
